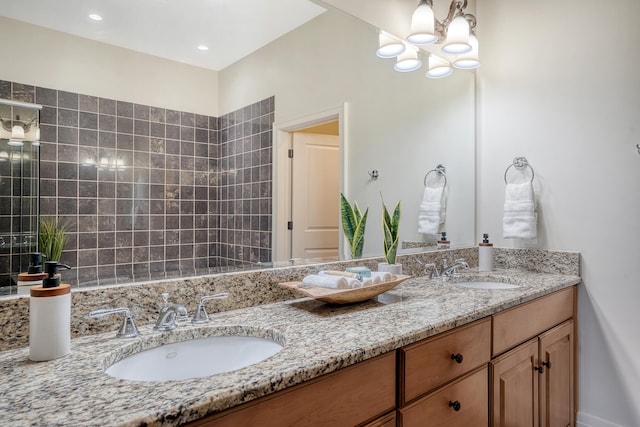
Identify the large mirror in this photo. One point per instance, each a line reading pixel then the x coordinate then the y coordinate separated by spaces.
pixel 397 127
pixel 392 128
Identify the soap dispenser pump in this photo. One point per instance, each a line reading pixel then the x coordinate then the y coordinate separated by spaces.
pixel 33 276
pixel 485 254
pixel 50 316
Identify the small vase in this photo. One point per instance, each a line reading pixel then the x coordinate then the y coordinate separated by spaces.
pixel 390 268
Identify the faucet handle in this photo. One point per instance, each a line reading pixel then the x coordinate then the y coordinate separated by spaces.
pixel 201 315
pixel 430 267
pixel 128 328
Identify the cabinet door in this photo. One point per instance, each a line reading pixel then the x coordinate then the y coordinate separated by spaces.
pixel 388 420
pixel 462 403
pixel 557 382
pixel 514 387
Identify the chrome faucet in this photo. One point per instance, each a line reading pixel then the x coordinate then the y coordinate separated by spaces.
pixel 448 271
pixel 169 316
pixel 128 328
pixel 201 315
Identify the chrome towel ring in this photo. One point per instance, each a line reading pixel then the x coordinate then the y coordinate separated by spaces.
pixel 519 163
pixel 440 170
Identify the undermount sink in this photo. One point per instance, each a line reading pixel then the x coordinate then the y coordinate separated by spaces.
pixel 194 358
pixel 486 285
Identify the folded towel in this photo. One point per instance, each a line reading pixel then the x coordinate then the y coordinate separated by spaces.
pixel 432 210
pixel 331 281
pixel 519 221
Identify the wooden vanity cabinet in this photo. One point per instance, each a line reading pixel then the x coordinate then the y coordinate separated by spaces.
pixel 352 396
pixel 533 384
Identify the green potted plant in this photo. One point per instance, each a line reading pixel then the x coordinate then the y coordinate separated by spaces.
pixel 353 224
pixel 52 237
pixel 390 229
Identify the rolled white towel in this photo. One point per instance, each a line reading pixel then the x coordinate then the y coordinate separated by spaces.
pixel 377 277
pixel 331 281
pixel 381 276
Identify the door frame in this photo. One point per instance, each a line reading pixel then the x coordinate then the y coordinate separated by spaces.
pixel 281 201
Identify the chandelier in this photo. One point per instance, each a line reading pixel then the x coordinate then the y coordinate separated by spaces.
pixel 455 34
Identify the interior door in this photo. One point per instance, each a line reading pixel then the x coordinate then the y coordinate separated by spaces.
pixel 315 196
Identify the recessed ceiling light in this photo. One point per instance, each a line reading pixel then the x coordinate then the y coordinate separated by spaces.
pixel 203 47
pixel 95 17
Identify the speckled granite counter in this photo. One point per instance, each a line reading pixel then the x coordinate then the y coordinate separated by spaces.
pixel 75 391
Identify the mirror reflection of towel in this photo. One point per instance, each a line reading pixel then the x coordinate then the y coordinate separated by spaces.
pixel 432 210
pixel 519 221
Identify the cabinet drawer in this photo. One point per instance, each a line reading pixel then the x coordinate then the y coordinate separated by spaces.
pixel 439 407
pixel 429 364
pixel 516 325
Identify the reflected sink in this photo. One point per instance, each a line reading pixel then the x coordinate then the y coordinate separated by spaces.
pixel 486 285
pixel 194 358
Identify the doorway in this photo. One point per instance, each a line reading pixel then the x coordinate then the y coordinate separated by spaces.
pixel 308 177
pixel 314 193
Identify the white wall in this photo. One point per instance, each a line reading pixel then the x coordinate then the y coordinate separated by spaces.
pixel 41 57
pixel 559 84
pixel 399 124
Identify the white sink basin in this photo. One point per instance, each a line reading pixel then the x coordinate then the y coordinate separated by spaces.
pixel 194 358
pixel 486 285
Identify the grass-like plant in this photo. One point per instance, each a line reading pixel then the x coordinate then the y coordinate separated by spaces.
pixel 353 224
pixel 52 237
pixel 390 228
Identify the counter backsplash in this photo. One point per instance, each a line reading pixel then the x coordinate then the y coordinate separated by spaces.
pixel 245 289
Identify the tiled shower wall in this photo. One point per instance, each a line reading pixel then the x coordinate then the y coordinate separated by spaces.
pixel 150 192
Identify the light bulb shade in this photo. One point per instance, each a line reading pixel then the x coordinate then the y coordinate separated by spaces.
pixel 423 25
pixel 389 46
pixel 408 61
pixel 457 40
pixel 17 132
pixel 469 60
pixel 438 67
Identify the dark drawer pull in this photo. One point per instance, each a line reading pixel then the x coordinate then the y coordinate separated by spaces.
pixel 455 405
pixel 457 357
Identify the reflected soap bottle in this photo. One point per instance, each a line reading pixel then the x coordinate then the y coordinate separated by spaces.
pixel 485 254
pixel 443 243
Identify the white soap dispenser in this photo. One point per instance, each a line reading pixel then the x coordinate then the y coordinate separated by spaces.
pixel 485 254
pixel 50 316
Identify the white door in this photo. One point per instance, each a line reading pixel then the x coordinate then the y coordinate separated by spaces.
pixel 315 196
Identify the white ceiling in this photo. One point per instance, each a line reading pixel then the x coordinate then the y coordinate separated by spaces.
pixel 232 29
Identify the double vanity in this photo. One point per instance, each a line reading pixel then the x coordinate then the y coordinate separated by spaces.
pixel 430 349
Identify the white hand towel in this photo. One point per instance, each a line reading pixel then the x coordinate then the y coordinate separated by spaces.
pixel 519 221
pixel 432 210
pixel 331 281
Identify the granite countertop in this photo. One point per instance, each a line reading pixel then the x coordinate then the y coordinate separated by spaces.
pixel 319 338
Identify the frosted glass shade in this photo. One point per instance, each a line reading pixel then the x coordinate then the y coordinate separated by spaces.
pixel 423 23
pixel 17 132
pixel 389 46
pixel 469 60
pixel 408 61
pixel 438 67
pixel 457 40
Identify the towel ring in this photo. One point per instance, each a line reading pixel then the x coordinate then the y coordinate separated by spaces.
pixel 441 170
pixel 519 163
